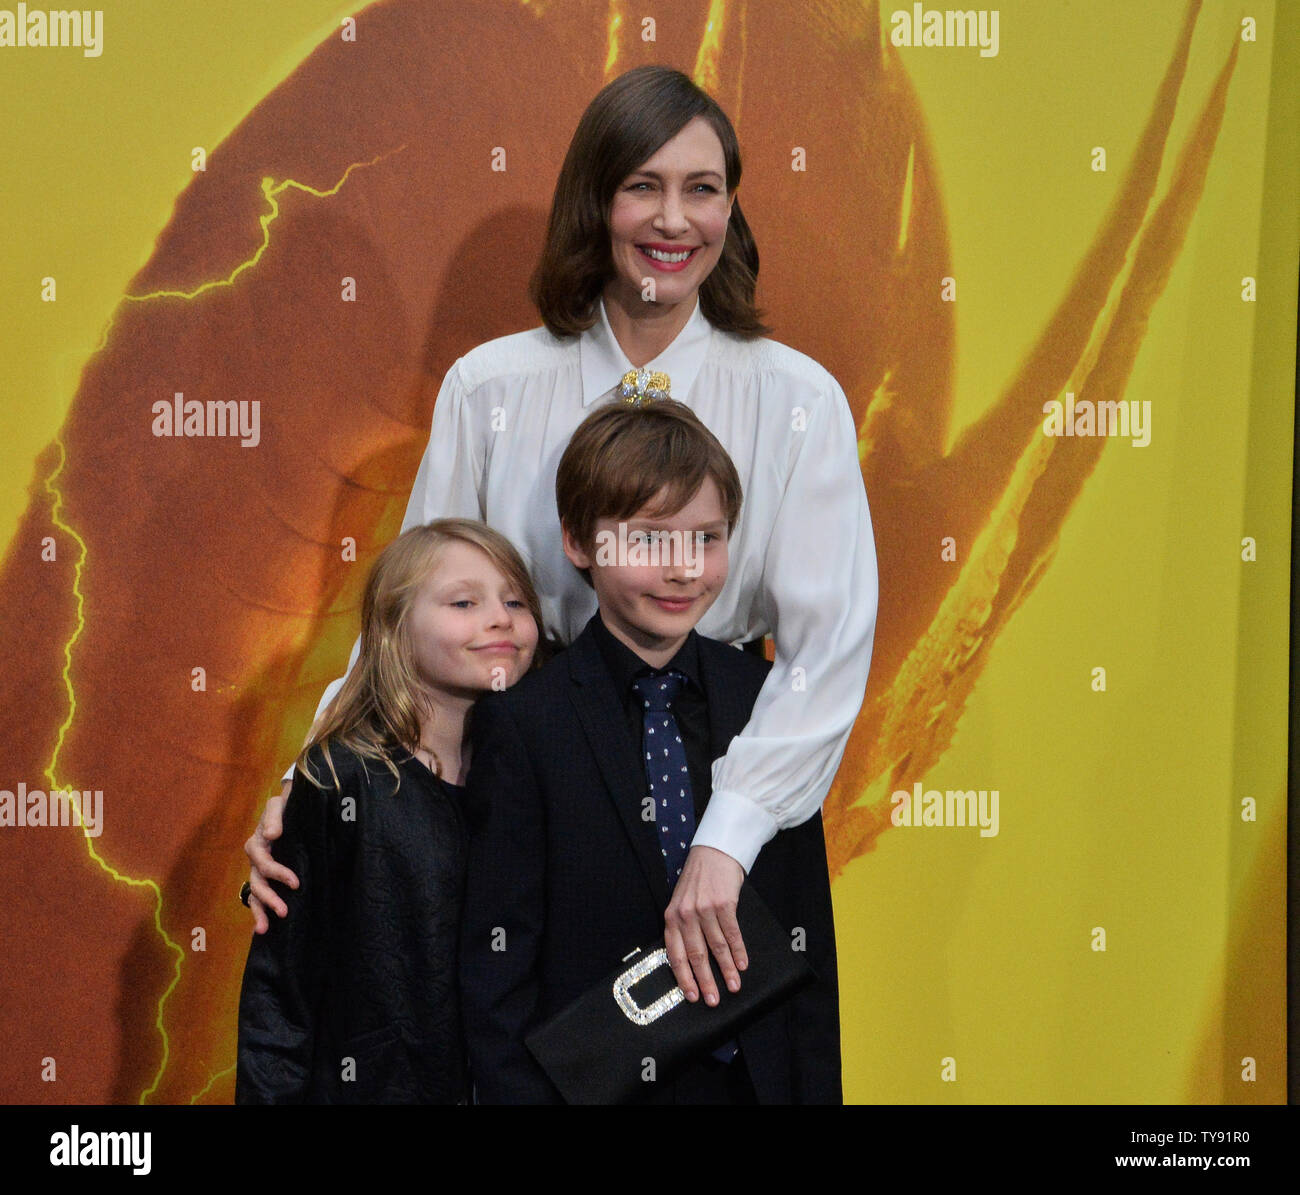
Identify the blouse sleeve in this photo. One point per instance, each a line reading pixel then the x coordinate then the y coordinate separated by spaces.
pixel 449 483
pixel 447 486
pixel 819 590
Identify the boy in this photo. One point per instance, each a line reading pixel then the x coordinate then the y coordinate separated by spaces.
pixel 568 871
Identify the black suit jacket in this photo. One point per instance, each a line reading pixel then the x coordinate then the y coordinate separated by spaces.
pixel 565 877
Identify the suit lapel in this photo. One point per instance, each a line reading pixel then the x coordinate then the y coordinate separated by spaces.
pixel 600 710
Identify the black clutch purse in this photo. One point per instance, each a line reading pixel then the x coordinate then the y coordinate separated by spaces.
pixel 636 1024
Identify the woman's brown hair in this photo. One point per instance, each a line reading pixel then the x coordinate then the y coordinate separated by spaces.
pixel 377 711
pixel 622 128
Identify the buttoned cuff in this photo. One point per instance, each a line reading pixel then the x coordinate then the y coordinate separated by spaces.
pixel 733 824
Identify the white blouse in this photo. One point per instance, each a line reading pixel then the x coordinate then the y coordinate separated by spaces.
pixel 802 556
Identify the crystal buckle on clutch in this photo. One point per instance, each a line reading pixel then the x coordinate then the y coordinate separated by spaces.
pixel 633 975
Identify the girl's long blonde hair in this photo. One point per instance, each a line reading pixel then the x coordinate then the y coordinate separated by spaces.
pixel 377 711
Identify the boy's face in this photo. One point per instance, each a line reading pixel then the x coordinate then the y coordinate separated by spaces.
pixel 655 582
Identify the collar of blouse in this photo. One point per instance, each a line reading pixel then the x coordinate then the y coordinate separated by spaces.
pixel 604 363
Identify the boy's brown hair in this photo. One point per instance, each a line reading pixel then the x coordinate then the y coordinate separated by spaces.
pixel 621 456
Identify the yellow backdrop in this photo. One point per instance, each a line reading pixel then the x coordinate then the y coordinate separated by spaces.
pixel 1121 937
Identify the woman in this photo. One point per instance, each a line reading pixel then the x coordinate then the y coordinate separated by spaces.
pixel 650 268
pixel 353 998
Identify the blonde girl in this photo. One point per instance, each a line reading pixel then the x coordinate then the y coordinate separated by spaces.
pixel 352 998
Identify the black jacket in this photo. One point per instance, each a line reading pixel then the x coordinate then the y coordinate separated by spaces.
pixel 565 876
pixel 352 999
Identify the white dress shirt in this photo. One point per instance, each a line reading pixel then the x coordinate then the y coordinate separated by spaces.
pixel 802 556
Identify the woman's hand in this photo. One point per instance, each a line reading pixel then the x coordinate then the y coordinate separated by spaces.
pixel 701 918
pixel 263 867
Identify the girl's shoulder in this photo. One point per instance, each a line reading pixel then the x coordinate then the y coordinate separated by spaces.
pixel 350 769
pixel 360 773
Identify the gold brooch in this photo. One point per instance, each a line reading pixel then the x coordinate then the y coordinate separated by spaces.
pixel 640 387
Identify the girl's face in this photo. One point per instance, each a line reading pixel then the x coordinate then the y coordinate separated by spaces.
pixel 470 628
pixel 668 220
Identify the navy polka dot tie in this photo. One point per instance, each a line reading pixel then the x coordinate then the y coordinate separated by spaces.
pixel 666 770
pixel 670 782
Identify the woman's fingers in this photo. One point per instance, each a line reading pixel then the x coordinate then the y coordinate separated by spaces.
pixel 271 824
pixel 261 923
pixel 264 868
pixel 701 919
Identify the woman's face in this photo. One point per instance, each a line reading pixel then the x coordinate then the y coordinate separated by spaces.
pixel 470 628
pixel 668 221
